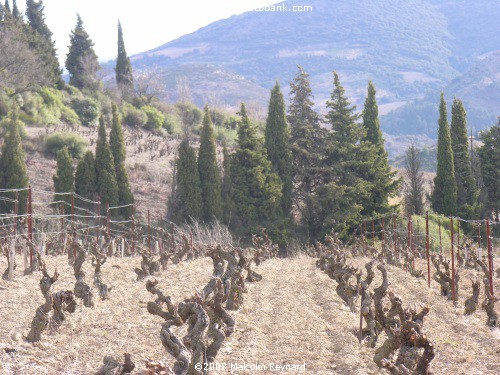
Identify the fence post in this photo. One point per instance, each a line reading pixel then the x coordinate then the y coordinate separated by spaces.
pixel 427 249
pixel 133 230
pixel 459 258
pixel 30 224
pixel 383 233
pixel 149 234
pixel 373 232
pixel 107 219
pixel 479 234
pixel 440 238
pixel 490 254
pixel 395 234
pixel 452 262
pixel 98 232
pixel 73 220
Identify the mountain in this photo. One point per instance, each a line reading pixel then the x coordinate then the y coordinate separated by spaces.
pixel 479 89
pixel 407 47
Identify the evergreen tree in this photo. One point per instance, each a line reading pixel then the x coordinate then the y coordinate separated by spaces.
pixel 40 40
pixel 13 172
pixel 64 181
pixel 306 141
pixel 185 202
pixel 489 155
pixel 117 145
pixel 8 12
pixel 466 186
pixel 16 14
pixel 107 187
pixel 444 196
pixel 339 199
pixel 85 179
pixel 123 69
pixel 257 190
pixel 210 180
pixel 226 190
pixel 81 61
pixel 377 172
pixel 413 182
pixel 277 143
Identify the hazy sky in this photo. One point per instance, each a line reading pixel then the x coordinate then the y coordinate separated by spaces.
pixel 146 24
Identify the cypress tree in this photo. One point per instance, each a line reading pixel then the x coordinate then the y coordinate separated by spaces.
pixel 466 186
pixel 306 142
pixel 85 179
pixel 123 69
pixel 210 180
pixel 226 190
pixel 81 61
pixel 257 190
pixel 64 181
pixel 41 41
pixel 16 14
pixel 185 202
pixel 277 143
pixel 377 171
pixel 489 155
pixel 13 171
pixel 117 145
pixel 444 196
pixel 107 187
pixel 8 12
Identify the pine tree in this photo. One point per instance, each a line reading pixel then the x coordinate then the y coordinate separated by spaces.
pixel 64 180
pixel 277 143
pixel 226 190
pixel 466 186
pixel 13 172
pixel 489 155
pixel 338 201
pixel 185 202
pixel 123 69
pixel 257 190
pixel 377 171
pixel 40 40
pixel 85 179
pixel 107 187
pixel 210 180
pixel 444 196
pixel 81 61
pixel 117 145
pixel 306 141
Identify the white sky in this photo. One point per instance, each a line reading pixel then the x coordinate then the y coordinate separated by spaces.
pixel 146 23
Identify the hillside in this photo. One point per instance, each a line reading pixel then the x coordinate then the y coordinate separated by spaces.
pixel 407 48
pixel 294 319
pixel 479 89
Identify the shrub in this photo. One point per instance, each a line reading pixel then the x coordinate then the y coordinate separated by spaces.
pixel 51 97
pixel 133 116
pixel 69 116
pixel 156 119
pixel 76 145
pixel 172 124
pixel 87 110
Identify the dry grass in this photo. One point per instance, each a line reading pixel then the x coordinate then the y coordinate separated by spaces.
pixel 292 316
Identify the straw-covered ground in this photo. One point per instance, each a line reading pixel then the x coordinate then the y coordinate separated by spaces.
pixel 293 316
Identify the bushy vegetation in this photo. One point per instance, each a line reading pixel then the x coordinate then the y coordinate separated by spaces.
pixel 87 110
pixel 155 120
pixel 75 144
pixel 134 117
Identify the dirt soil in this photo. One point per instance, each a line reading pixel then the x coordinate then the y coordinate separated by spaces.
pixel 293 316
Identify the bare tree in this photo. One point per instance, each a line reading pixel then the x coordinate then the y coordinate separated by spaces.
pixel 413 182
pixel 20 69
pixel 149 85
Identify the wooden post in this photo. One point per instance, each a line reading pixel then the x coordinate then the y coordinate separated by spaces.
pixel 479 234
pixel 427 249
pixel 373 232
pixel 395 234
pixel 490 254
pixel 383 233
pixel 16 212
pixel 73 220
pixel 133 231
pixel 98 232
pixel 440 238
pixel 458 241
pixel 30 224
pixel 107 219
pixel 149 233
pixel 452 263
